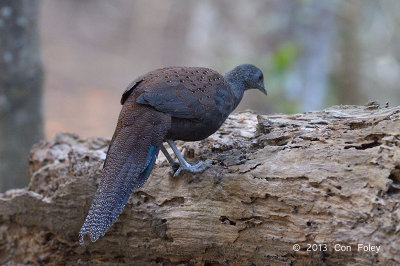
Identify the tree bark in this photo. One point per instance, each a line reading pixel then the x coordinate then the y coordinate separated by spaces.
pixel 330 178
pixel 21 74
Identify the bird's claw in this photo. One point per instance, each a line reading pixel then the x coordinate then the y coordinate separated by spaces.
pixel 197 168
pixel 175 167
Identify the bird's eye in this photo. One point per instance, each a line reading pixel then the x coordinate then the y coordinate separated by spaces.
pixel 260 78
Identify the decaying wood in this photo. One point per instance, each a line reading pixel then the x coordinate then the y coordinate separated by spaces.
pixel 329 177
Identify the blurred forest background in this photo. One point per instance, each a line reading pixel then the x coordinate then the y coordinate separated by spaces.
pixel 314 54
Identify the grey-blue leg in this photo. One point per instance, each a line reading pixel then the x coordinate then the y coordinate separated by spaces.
pixel 174 165
pixel 166 154
pixel 184 165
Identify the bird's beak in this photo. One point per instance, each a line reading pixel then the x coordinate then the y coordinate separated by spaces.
pixel 263 89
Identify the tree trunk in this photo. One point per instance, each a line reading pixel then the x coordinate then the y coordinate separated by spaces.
pixel 323 180
pixel 315 34
pixel 348 70
pixel 21 122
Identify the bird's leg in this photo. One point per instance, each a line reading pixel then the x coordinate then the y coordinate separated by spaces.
pixel 174 165
pixel 184 165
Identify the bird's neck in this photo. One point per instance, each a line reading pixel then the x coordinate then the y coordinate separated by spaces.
pixel 236 84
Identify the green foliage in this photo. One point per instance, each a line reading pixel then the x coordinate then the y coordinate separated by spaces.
pixel 332 97
pixel 284 56
pixel 281 62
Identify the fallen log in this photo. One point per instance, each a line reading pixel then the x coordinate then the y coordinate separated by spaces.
pixel 325 182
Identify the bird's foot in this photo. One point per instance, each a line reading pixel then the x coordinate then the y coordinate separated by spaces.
pixel 175 167
pixel 197 168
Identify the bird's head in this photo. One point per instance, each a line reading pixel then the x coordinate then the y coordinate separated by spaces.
pixel 252 76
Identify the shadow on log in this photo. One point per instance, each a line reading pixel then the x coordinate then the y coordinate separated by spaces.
pixel 328 178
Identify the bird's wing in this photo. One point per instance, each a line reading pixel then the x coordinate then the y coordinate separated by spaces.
pixel 130 159
pixel 181 92
pixel 168 101
pixel 131 87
